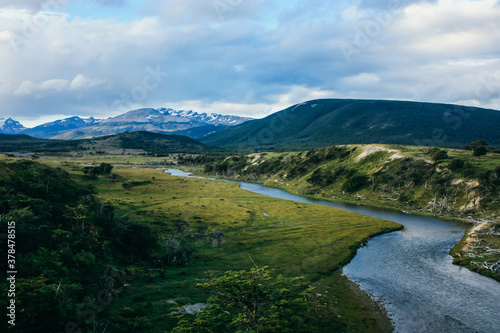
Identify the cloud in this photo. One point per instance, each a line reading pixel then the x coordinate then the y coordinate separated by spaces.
pixel 249 58
pixel 80 82
pixel 54 5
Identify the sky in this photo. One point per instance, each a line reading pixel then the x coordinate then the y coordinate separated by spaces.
pixel 101 58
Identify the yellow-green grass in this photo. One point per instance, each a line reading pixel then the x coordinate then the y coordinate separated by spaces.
pixel 111 159
pixel 301 231
pixel 296 239
pixel 489 161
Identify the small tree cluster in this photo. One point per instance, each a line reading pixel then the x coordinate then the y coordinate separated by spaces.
pixel 253 301
pixel 95 172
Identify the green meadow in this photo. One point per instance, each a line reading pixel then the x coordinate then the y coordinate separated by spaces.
pixel 296 239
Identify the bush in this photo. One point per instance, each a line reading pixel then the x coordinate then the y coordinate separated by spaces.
pixel 355 183
pixel 456 164
pixel 475 144
pixel 253 301
pixel 480 151
pixel 468 170
pixel 439 155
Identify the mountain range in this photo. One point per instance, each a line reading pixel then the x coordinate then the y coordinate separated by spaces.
pixel 312 124
pixel 326 122
pixel 162 120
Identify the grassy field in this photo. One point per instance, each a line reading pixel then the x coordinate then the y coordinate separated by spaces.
pixel 296 239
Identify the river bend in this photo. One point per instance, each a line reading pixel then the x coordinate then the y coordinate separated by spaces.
pixel 411 273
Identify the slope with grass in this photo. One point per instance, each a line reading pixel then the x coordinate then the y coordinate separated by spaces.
pixel 126 259
pixel 295 239
pixel 326 122
pixel 444 183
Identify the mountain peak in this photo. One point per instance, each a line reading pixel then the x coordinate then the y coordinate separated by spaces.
pixel 10 126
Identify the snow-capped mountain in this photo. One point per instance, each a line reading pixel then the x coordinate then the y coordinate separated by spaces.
pixel 54 128
pixel 10 126
pixel 209 118
pixel 162 120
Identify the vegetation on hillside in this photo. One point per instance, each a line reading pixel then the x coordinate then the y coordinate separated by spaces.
pixel 145 143
pixel 447 183
pixel 121 253
pixel 326 122
pixel 70 247
pixel 253 301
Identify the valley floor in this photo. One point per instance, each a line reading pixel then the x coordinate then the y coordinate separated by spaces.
pixel 295 239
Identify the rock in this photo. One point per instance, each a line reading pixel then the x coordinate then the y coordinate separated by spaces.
pixel 191 309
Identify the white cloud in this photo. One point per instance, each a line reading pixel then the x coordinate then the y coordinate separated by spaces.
pixel 255 58
pixel 81 82
pixel 362 80
pixel 25 88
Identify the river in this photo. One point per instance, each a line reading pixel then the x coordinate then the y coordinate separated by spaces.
pixel 411 273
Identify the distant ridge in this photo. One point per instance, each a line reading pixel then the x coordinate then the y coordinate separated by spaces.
pixel 162 120
pixel 124 143
pixel 326 122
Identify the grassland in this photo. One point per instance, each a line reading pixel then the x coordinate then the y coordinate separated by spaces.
pixel 405 178
pixel 296 239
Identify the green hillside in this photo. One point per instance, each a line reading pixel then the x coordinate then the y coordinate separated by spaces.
pixel 125 143
pixel 321 123
pixel 445 183
pixel 122 252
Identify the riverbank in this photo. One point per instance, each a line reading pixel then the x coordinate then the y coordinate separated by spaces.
pixel 400 178
pixel 402 268
pixel 296 239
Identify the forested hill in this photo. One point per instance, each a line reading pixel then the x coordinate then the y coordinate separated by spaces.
pixel 140 142
pixel 326 122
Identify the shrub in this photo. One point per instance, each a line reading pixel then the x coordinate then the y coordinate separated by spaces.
pixel 480 151
pixel 355 183
pixel 468 170
pixel 456 164
pixel 439 155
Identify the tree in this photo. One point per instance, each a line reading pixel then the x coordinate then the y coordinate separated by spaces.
pixel 440 155
pixel 456 164
pixel 475 144
pixel 480 151
pixel 253 301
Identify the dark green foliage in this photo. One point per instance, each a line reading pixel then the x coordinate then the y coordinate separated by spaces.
pixel 130 185
pixel 65 240
pixel 292 166
pixel 153 143
pixel 94 172
pixel 355 183
pixel 137 242
pixel 160 144
pixel 327 122
pixel 456 164
pixel 178 252
pixel 475 144
pixel 468 170
pixel 325 177
pixel 253 301
pixel 480 151
pixel 439 155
